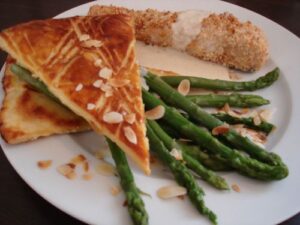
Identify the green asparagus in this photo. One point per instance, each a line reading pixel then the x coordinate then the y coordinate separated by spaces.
pixel 234 100
pixel 181 174
pixel 135 203
pixel 197 82
pixel 236 159
pixel 26 76
pixel 206 174
pixel 247 121
pixel 196 113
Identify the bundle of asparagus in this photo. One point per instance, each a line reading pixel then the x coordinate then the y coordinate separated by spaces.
pixel 206 153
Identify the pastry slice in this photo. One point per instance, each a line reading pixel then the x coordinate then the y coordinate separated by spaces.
pixel 88 63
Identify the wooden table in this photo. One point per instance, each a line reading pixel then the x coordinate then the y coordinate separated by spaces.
pixel 19 204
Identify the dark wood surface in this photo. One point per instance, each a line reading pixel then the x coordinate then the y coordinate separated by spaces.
pixel 19 204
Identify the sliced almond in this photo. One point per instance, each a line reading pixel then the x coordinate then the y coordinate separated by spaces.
pixel 115 190
pixel 67 170
pixel 156 113
pixel 98 83
pixel 171 191
pixel 265 115
pixel 113 117
pixel 105 73
pixel 236 188
pixel 78 159
pixel 256 120
pixel 44 164
pixel 144 84
pixel 114 82
pixel 106 87
pixel 72 175
pixel 90 106
pixel 176 154
pixel 84 37
pixel 92 43
pixel 130 118
pixel 79 87
pixel 106 169
pixel 87 176
pixel 130 135
pixel 98 62
pixel 184 87
pixel 222 129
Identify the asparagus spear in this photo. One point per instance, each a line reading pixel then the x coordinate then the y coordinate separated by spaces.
pixel 264 126
pixel 197 82
pixel 211 161
pixel 236 159
pixel 26 76
pixel 207 175
pixel 235 100
pixel 181 174
pixel 135 203
pixel 197 114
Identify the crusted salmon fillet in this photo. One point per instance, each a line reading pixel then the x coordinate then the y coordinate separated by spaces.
pixel 27 114
pixel 88 63
pixel 220 38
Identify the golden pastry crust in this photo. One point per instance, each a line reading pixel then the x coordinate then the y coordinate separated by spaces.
pixel 27 115
pixel 222 39
pixel 92 52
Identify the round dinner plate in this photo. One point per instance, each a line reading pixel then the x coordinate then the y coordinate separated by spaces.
pixel 258 203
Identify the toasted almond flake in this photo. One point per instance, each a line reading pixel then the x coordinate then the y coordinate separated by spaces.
pixel 171 191
pixel 101 154
pixel 256 120
pixel 87 176
pixel 105 73
pixel 176 154
pixel 113 117
pixel 106 169
pixel 184 87
pixel 92 43
pixel 115 190
pixel 97 83
pixel 98 62
pixel 108 93
pixel 130 118
pixel 106 87
pixel 84 37
pixel 236 188
pixel 156 113
pixel 72 175
pixel 226 108
pixel 65 169
pixel 44 164
pixel 222 129
pixel 79 87
pixel 265 115
pixel 144 84
pixel 130 135
pixel 90 106
pixel 78 159
pixel 118 82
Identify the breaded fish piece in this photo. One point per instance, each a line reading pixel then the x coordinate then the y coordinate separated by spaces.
pixel 27 114
pixel 88 63
pixel 220 38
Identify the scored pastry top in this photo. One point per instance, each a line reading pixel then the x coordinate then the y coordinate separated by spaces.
pixel 89 64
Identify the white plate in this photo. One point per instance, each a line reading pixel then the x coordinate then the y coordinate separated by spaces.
pixel 258 202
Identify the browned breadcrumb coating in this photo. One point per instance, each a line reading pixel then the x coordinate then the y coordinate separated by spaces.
pixel 151 26
pixel 223 38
